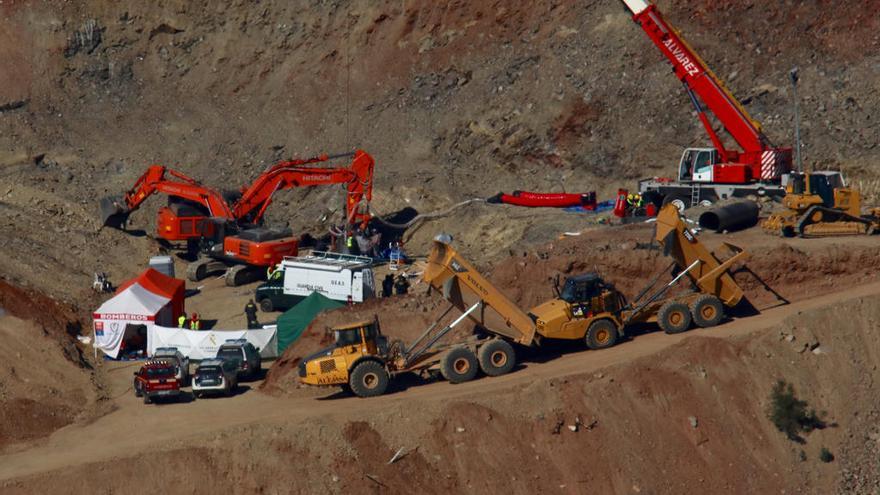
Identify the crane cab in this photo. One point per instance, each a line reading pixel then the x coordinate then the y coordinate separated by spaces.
pixel 703 165
pixel 697 164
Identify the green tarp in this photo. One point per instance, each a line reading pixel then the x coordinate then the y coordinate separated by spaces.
pixel 293 322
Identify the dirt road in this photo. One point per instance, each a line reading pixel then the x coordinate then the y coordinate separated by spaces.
pixel 133 427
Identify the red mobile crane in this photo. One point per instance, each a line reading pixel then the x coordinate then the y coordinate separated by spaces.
pixel 231 237
pixel 710 174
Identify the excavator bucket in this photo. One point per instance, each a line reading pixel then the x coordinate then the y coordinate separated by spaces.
pixel 114 213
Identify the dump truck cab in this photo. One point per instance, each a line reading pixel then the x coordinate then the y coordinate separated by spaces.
pixel 581 301
pixel 353 344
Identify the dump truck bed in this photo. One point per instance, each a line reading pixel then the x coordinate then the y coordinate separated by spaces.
pixel 463 286
pixel 710 275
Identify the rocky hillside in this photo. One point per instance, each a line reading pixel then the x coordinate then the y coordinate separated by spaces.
pixel 454 99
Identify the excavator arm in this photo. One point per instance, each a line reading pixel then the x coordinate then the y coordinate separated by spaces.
pixel 764 160
pixel 116 209
pixel 358 179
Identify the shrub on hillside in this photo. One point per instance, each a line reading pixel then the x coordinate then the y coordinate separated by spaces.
pixel 789 414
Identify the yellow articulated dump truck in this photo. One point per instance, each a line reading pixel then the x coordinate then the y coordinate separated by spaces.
pixel 586 310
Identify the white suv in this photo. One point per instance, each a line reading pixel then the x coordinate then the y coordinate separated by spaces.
pixel 215 376
pixel 177 359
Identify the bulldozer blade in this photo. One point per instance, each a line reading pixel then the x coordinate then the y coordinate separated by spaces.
pixel 113 213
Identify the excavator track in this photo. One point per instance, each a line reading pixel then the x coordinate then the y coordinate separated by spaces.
pixel 821 221
pixel 244 274
pixel 199 269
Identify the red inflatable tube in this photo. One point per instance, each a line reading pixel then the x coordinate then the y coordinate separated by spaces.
pixel 550 200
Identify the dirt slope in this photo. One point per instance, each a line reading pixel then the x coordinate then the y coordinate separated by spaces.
pixel 41 388
pixel 636 404
pixel 455 100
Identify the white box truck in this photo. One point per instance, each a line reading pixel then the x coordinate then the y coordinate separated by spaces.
pixel 333 275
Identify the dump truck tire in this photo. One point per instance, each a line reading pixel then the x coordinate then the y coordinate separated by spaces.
pixel 707 311
pixel 601 334
pixel 368 379
pixel 496 357
pixel 459 365
pixel 674 317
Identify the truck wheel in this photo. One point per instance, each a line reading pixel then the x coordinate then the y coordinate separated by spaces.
pixel 368 379
pixel 266 305
pixel 147 399
pixel 601 334
pixel 459 365
pixel 137 390
pixel 707 311
pixel 496 357
pixel 674 317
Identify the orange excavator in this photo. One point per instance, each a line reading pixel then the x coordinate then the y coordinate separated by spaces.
pixel 232 237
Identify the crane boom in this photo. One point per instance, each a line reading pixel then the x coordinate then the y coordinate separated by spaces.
pixel 758 158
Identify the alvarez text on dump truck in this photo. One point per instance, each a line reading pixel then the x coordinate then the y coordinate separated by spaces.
pixel 587 310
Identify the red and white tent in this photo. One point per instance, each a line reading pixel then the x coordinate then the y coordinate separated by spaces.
pixel 151 298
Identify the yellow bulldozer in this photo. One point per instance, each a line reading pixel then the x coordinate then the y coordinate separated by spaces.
pixel 819 204
pixel 585 309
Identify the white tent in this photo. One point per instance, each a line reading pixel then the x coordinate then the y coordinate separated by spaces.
pixel 133 306
pixel 203 344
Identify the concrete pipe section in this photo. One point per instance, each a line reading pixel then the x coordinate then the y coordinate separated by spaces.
pixel 735 216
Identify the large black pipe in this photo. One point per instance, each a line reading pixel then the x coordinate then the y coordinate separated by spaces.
pixel 735 216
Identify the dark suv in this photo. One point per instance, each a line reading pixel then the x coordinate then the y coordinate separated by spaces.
pixel 246 356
